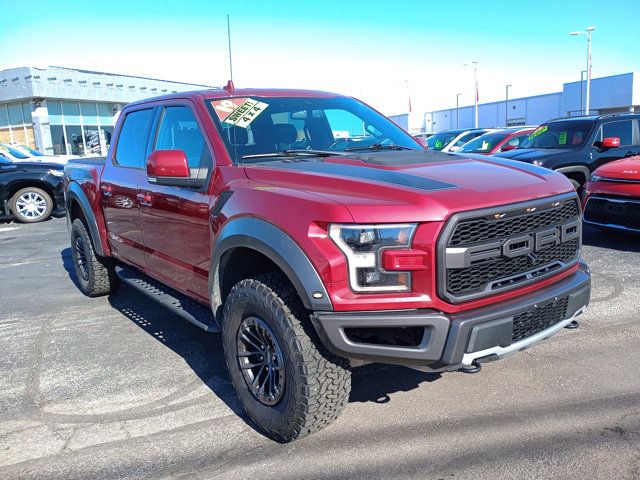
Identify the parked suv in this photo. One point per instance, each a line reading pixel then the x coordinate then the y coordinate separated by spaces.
pixel 317 235
pixel 576 146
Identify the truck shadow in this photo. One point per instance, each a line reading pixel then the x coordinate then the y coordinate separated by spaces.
pixel 624 242
pixel 202 351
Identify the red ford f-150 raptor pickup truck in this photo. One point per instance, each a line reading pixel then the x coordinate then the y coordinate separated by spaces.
pixel 316 235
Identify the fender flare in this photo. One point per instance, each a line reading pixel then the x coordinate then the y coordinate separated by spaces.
pixel 275 244
pixel 74 193
pixel 575 169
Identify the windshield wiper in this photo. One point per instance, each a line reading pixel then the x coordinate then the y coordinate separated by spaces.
pixel 378 146
pixel 293 153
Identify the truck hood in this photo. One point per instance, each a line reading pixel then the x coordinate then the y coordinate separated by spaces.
pixel 625 169
pixel 529 155
pixel 404 186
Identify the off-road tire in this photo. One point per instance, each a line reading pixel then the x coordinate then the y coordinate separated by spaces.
pixel 38 191
pixel 100 277
pixel 318 383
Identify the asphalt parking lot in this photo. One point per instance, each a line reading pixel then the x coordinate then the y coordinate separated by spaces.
pixel 118 387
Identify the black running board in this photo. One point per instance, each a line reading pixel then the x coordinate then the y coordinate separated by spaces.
pixel 169 298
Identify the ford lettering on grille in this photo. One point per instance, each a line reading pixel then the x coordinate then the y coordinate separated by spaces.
pixel 488 251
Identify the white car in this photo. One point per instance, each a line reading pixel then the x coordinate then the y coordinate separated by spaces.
pixel 21 153
pixel 452 140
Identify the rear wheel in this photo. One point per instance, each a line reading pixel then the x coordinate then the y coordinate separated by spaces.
pixel 31 205
pixel 96 275
pixel 287 382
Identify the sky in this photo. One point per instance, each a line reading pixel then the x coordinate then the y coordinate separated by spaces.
pixel 383 52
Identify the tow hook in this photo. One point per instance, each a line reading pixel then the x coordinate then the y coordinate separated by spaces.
pixel 475 367
pixel 572 326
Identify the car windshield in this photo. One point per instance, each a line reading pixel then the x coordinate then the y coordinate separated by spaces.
pixel 442 139
pixel 12 151
pixel 484 143
pixel 31 151
pixel 563 134
pixel 257 129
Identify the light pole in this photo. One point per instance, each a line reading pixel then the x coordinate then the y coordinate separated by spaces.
pixel 475 87
pixel 458 109
pixel 587 32
pixel 506 106
pixel 582 72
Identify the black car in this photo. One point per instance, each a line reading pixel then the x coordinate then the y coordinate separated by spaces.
pixel 30 191
pixel 576 146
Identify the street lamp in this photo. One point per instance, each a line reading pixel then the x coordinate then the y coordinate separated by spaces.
pixel 458 109
pixel 475 86
pixel 582 73
pixel 587 32
pixel 506 107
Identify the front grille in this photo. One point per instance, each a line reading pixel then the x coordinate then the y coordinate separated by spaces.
pixel 479 250
pixel 534 321
pixel 615 212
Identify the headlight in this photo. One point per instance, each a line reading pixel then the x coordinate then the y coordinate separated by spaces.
pixel 363 246
pixel 595 178
pixel 56 173
pixel 537 163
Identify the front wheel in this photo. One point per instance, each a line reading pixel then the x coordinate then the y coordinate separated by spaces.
pixel 287 382
pixel 31 205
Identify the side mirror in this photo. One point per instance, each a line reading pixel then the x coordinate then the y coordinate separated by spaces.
pixel 169 167
pixel 610 142
pixel 508 147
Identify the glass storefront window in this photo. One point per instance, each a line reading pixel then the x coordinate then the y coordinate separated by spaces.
pixel 15 114
pixel 89 113
pixel 4 116
pixel 26 113
pixel 92 139
pixel 55 112
pixel 71 112
pixel 75 145
pixel 57 138
pixel 105 112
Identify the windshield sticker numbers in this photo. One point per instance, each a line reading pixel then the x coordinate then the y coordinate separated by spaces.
pixel 239 111
pixel 562 138
pixel 538 131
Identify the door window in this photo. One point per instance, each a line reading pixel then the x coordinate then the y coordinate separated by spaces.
pixel 132 141
pixel 179 130
pixel 622 130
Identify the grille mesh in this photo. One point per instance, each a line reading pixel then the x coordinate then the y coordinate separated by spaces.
pixel 468 280
pixel 473 281
pixel 536 320
pixel 606 212
pixel 479 229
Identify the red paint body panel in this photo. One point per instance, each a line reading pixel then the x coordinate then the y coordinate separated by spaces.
pixel 622 179
pixel 167 163
pixel 171 233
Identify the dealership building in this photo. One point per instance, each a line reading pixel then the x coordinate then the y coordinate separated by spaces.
pixel 614 94
pixel 63 111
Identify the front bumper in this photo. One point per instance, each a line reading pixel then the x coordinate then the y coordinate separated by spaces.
pixel 453 341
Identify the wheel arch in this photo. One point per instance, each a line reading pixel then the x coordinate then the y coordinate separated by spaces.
pixel 76 205
pixel 276 246
pixel 574 170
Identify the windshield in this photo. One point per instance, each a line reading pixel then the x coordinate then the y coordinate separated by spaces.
pixel 564 134
pixel 484 143
pixel 12 151
pixel 441 140
pixel 30 151
pixel 263 126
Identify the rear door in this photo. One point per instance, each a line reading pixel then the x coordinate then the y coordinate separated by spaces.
pixel 626 131
pixel 175 220
pixel 123 172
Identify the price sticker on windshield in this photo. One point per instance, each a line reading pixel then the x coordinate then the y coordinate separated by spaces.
pixel 538 131
pixel 239 111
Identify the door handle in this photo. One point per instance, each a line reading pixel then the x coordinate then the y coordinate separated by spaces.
pixel 107 190
pixel 145 199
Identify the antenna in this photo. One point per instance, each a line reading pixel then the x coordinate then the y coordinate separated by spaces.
pixel 229 39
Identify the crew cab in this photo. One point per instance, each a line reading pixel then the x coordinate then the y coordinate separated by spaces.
pixel 316 235
pixel 576 146
pixel 612 196
pixel 30 191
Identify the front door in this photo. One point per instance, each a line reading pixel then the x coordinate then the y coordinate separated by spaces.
pixel 175 220
pixel 120 181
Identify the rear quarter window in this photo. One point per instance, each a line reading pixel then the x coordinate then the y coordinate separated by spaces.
pixel 132 141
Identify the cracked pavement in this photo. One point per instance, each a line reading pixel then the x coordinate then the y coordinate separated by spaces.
pixel 118 387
